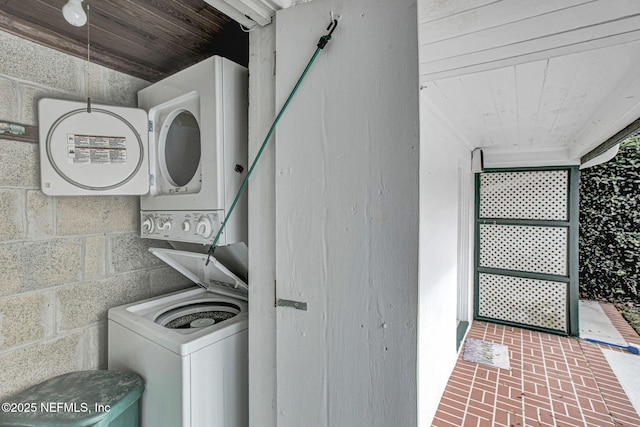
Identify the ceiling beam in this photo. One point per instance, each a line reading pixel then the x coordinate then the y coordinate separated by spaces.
pixel 625 133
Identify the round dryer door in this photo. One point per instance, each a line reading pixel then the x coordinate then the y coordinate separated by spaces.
pixel 180 148
pixel 176 146
pixel 96 152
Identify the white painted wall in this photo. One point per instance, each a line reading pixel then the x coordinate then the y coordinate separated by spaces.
pixel 347 159
pixel 446 192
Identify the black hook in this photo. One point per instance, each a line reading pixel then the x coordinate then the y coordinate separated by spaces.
pixel 325 39
pixel 332 26
pixel 210 254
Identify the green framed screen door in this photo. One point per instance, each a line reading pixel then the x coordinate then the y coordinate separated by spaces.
pixel 526 264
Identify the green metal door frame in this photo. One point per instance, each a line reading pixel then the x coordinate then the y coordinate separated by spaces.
pixel 571 223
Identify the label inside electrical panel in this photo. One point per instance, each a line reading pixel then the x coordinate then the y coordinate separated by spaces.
pixel 94 149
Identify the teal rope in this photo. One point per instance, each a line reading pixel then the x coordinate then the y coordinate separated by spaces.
pixel 264 144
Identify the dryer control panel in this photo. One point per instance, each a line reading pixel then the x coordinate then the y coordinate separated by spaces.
pixel 182 226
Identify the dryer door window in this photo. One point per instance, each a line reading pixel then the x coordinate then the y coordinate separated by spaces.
pixel 180 151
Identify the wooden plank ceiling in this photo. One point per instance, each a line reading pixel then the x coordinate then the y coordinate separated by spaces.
pixel 150 39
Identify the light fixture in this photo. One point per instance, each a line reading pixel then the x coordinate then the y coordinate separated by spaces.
pixel 74 13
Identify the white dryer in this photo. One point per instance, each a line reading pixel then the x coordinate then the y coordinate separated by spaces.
pixel 190 347
pixel 198 156
pixel 184 151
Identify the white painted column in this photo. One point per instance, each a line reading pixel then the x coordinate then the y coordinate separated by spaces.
pixel 262 321
pixel 347 159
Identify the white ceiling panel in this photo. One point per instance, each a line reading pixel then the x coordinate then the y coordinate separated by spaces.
pixel 560 102
pixel 510 32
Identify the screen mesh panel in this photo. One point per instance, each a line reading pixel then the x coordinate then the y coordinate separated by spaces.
pixel 532 302
pixel 524 248
pixel 540 195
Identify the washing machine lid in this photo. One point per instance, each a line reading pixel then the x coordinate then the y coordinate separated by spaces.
pixel 214 277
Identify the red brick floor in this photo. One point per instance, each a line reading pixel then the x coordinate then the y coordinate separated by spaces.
pixel 553 381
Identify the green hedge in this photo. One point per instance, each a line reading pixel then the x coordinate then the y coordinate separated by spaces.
pixel 610 226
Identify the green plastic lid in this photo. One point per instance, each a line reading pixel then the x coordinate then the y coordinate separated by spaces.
pixel 83 398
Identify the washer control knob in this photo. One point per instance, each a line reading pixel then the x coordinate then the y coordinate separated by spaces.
pixel 164 225
pixel 186 226
pixel 147 225
pixel 203 228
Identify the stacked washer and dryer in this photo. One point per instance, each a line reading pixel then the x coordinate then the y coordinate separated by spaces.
pixel 186 154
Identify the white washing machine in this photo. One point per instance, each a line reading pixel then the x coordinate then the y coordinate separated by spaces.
pixel 184 151
pixel 190 347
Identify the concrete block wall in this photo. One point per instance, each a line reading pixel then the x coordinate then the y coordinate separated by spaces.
pixel 64 261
